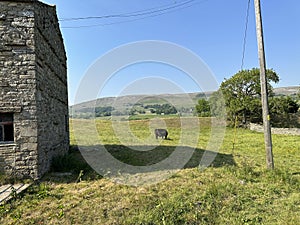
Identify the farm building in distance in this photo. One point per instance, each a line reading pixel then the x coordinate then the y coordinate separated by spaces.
pixel 34 123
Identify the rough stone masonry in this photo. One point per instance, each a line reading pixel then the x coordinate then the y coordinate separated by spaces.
pixel 34 123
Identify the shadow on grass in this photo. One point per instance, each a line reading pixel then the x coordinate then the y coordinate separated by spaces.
pixel 127 155
pixel 74 168
pixel 70 168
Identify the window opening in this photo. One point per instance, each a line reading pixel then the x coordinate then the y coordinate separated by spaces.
pixel 6 127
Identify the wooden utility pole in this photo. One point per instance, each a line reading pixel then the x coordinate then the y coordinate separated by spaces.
pixel 263 82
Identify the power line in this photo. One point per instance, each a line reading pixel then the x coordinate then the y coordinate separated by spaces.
pixel 130 14
pixel 245 35
pixel 150 14
pixel 112 23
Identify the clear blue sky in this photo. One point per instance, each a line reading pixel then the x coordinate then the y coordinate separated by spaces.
pixel 213 29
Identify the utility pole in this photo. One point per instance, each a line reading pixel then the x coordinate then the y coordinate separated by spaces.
pixel 263 82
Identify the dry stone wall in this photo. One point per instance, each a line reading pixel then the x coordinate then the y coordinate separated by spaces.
pixel 33 87
pixel 288 131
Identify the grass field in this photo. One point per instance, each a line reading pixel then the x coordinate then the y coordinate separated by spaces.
pixel 236 189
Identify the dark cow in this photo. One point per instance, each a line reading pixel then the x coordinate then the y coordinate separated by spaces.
pixel 163 133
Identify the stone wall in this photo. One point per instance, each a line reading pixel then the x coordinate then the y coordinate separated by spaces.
pixel 52 95
pixel 288 131
pixel 33 86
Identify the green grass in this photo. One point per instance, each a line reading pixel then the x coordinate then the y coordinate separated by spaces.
pixel 236 189
pixel 150 116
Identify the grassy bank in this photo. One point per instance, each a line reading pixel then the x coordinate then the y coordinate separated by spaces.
pixel 236 189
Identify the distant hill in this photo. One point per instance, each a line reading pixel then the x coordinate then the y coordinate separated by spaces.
pixel 284 91
pixel 185 101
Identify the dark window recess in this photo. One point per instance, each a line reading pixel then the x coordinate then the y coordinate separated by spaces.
pixel 6 127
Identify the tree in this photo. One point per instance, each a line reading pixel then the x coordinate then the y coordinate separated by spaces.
pixel 203 108
pixel 283 112
pixel 162 109
pixel 217 104
pixel 242 93
pixel 103 111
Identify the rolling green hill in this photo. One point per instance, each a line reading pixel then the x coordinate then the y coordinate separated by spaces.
pixel 184 102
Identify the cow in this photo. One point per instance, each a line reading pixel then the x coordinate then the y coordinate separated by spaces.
pixel 163 133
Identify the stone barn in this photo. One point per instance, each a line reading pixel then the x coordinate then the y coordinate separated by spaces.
pixel 34 123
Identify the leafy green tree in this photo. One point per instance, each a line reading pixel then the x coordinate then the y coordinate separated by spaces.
pixel 164 108
pixel 283 105
pixel 103 111
pixel 283 112
pixel 152 110
pixel 242 93
pixel 217 104
pixel 203 108
pixel 133 111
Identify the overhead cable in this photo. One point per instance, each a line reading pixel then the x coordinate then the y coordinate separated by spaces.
pixel 133 14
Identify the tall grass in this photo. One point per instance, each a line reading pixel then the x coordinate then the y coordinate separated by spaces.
pixel 236 189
